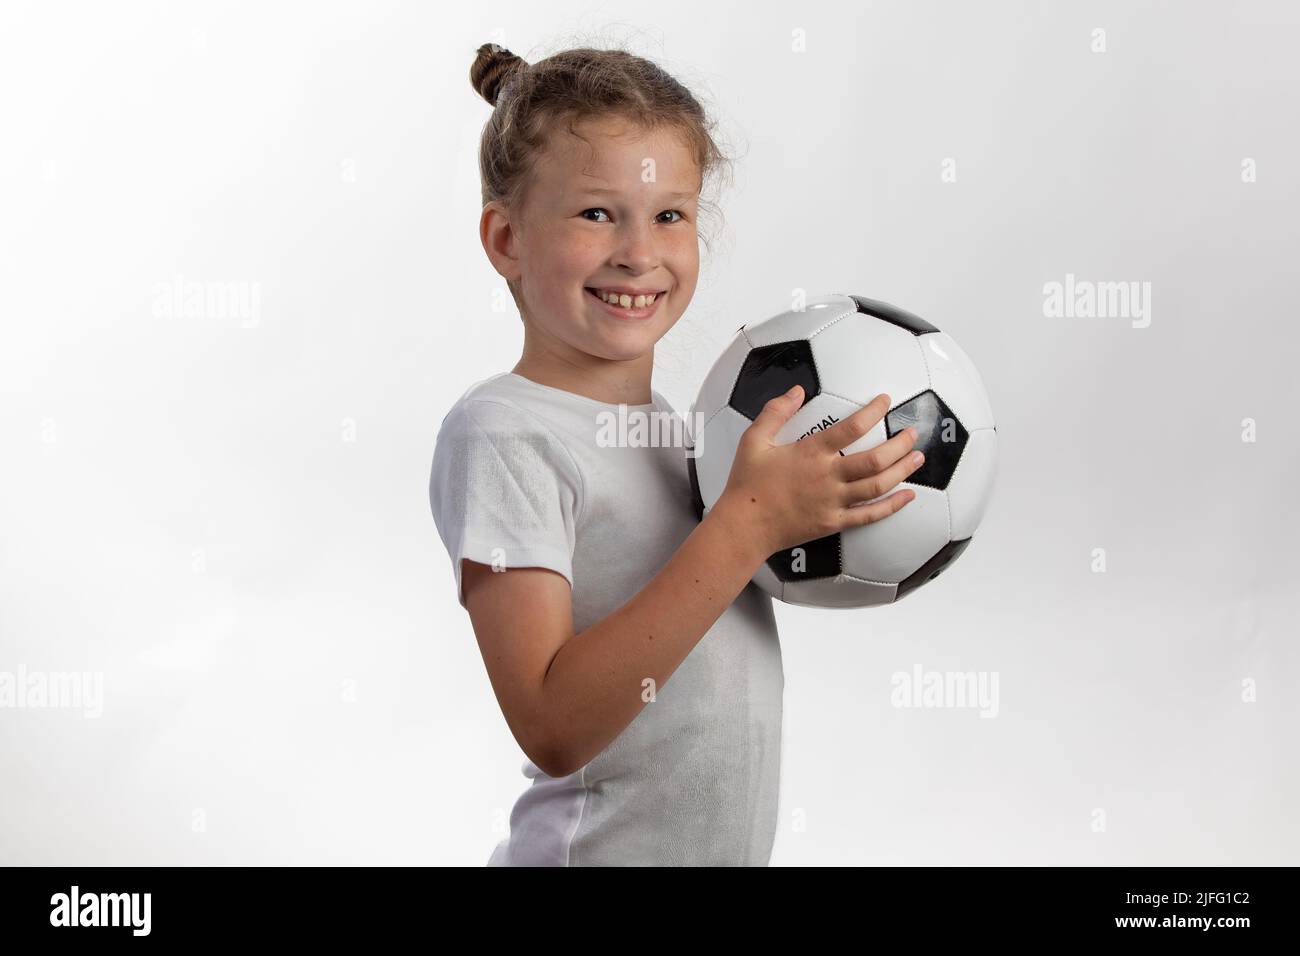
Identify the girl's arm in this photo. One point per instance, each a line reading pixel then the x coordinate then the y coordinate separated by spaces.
pixel 566 696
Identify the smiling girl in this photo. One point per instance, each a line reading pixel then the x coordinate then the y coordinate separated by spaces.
pixel 635 664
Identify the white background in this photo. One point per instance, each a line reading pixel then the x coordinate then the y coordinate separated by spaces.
pixel 229 519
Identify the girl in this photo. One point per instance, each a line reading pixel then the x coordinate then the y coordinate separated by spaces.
pixel 635 664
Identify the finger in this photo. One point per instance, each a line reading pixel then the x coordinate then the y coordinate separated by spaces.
pixel 863 464
pixel 776 413
pixel 858 515
pixel 864 489
pixel 844 433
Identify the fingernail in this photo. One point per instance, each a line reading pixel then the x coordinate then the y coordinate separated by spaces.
pixel 917 458
pixel 793 390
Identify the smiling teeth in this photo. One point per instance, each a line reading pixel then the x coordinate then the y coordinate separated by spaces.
pixel 627 301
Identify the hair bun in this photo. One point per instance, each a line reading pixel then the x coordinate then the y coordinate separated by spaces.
pixel 492 67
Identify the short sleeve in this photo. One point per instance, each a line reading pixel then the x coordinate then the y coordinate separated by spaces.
pixel 504 490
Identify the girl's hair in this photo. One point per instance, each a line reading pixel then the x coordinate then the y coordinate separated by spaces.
pixel 531 100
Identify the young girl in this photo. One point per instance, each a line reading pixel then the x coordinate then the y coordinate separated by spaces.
pixel 635 664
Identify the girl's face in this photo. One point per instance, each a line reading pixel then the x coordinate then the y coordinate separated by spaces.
pixel 615 215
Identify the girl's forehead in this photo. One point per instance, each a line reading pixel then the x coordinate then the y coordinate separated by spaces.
pixel 604 161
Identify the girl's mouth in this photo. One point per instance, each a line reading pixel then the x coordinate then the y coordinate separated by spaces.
pixel 627 313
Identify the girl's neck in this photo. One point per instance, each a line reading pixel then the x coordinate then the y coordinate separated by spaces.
pixel 615 383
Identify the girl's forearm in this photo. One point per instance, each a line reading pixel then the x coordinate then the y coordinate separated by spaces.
pixel 602 677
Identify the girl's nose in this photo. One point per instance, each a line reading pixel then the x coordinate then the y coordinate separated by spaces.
pixel 635 249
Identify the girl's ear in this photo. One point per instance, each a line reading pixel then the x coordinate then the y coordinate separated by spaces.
pixel 498 234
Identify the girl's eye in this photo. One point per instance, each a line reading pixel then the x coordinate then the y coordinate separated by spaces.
pixel 673 212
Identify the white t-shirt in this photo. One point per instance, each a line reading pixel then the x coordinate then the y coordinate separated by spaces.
pixel 522 477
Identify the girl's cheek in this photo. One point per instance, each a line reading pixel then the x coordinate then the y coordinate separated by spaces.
pixel 578 246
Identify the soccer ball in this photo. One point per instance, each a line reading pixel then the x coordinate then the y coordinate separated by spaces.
pixel 845 350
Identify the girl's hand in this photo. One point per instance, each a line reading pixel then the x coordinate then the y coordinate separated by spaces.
pixel 798 492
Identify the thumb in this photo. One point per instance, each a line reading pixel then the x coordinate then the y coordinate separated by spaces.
pixel 776 413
